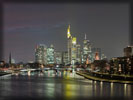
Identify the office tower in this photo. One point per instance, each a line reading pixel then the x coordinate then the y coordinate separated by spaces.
pixel 41 54
pixel 58 57
pixel 50 55
pixel 65 58
pixel 74 50
pixel 103 56
pixel 69 45
pixel 78 54
pixel 86 50
pixel 97 56
pixel 94 51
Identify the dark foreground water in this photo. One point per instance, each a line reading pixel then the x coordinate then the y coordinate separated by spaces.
pixel 61 85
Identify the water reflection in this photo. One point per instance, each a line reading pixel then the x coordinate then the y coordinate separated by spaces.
pixel 50 90
pixel 101 88
pixel 60 84
pixel 111 90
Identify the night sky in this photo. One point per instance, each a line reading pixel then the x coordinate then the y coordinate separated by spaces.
pixel 26 25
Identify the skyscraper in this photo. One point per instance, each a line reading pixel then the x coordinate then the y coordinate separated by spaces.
pixel 65 58
pixel 69 45
pixel 74 50
pixel 58 57
pixel 103 57
pixel 78 53
pixel 97 56
pixel 96 51
pixel 86 50
pixel 41 54
pixel 50 55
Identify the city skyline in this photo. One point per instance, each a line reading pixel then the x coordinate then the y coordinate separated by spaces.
pixel 75 53
pixel 54 31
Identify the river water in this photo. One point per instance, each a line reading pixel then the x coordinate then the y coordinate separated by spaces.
pixel 64 85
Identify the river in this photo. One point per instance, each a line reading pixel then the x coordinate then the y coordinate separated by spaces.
pixel 63 84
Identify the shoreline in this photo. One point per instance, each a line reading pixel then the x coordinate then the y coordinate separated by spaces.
pixel 101 79
pixel 4 73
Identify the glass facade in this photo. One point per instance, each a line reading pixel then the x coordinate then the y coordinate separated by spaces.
pixel 50 55
pixel 41 54
pixel 86 50
pixel 58 57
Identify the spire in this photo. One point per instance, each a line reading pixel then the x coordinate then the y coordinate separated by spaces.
pixel 69 26
pixel 68 31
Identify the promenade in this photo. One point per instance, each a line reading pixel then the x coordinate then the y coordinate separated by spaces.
pixel 113 78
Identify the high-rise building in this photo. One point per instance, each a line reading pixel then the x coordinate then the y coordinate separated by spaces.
pixel 96 51
pixel 97 56
pixel 78 53
pixel 41 54
pixel 65 58
pixel 69 45
pixel 86 50
pixel 74 50
pixel 103 57
pixel 50 55
pixel 58 57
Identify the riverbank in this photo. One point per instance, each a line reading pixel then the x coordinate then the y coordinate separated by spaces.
pixel 4 73
pixel 106 77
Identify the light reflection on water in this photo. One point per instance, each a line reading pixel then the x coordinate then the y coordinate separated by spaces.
pixel 111 90
pixel 61 84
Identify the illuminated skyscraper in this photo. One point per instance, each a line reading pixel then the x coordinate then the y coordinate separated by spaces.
pixel 86 50
pixel 41 54
pixel 65 58
pixel 74 50
pixel 69 45
pixel 98 51
pixel 97 56
pixel 103 57
pixel 50 55
pixel 58 57
pixel 78 52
